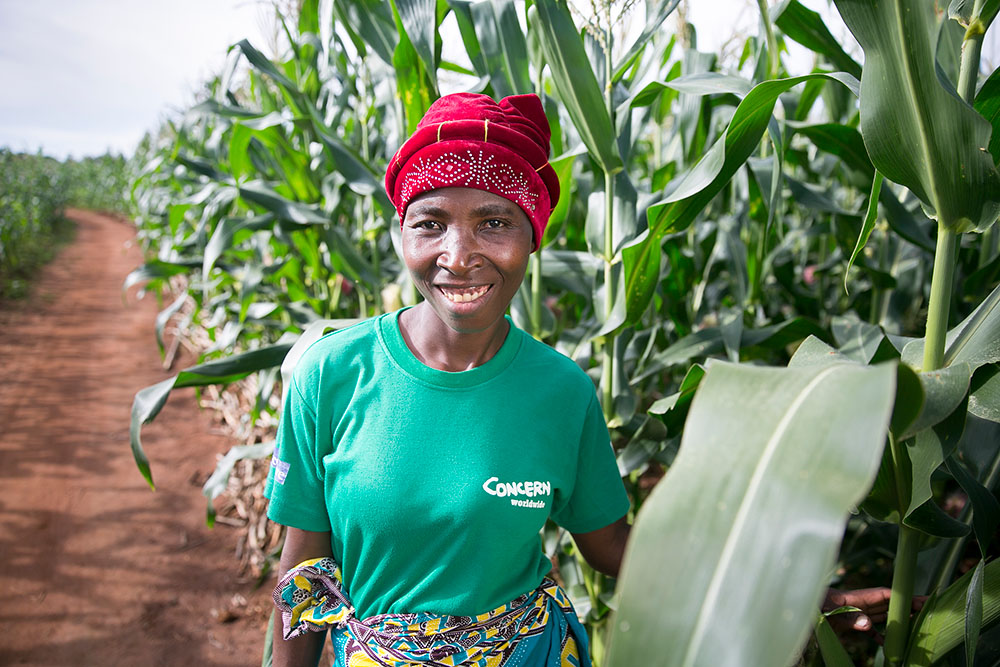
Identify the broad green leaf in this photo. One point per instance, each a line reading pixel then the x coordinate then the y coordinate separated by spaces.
pixel 416 86
pixel 814 352
pixel 371 26
pixel 200 166
pixel 673 410
pixel 864 342
pixel 948 51
pixel 940 627
pixel 691 114
pixel 974 613
pixel 503 45
pixel 702 83
pixel 575 82
pixel 345 258
pixel 808 29
pixel 906 223
pixel 466 27
pixel 944 390
pixel 964 11
pixel 988 104
pixel 882 501
pixel 225 232
pixel 263 64
pixel 419 19
pixel 360 177
pixel 917 131
pixel 984 393
pixel 149 401
pixel 929 518
pixel 716 545
pixel 833 652
pixel 909 400
pixel 145 406
pixel 841 140
pixel 564 170
pixel 985 508
pixel 701 184
pixel 976 340
pixel 571 270
pixel 656 13
pixel 157 270
pixel 924 454
pixel 259 193
pixel 867 226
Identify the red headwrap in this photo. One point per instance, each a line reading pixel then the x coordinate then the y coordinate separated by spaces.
pixel 468 140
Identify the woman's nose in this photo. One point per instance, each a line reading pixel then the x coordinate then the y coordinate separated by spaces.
pixel 460 251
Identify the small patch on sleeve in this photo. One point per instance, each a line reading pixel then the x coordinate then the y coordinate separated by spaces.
pixel 280 470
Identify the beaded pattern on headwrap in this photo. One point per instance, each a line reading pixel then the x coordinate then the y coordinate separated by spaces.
pixel 472 169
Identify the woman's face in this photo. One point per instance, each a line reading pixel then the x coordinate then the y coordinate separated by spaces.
pixel 467 251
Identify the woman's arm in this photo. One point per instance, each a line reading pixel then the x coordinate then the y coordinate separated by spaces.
pixel 603 548
pixel 300 545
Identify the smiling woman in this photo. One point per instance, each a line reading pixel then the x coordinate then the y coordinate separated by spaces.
pixel 420 453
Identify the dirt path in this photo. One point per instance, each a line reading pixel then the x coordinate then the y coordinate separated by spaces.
pixel 95 569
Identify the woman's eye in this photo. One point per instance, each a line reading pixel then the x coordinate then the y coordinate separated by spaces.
pixel 426 224
pixel 495 224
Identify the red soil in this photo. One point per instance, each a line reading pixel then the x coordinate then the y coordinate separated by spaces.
pixel 96 569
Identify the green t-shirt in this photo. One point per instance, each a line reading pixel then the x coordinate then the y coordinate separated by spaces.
pixel 435 485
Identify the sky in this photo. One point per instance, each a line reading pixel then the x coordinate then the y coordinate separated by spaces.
pixel 81 77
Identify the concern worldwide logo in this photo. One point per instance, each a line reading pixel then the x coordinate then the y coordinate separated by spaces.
pixel 519 492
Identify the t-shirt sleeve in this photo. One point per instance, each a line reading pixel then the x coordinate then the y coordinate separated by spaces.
pixel 295 481
pixel 598 498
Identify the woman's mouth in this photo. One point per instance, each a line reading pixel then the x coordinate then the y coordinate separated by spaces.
pixel 464 294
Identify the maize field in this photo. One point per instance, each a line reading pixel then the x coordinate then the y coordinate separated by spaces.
pixel 784 281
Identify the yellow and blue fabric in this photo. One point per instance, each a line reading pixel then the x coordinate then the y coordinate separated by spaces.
pixel 537 629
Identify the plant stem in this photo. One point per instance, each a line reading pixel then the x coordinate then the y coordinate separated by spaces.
pixel 772 43
pixel 940 303
pixel 897 629
pixel 536 258
pixel 898 624
pixel 608 369
pixel 972 47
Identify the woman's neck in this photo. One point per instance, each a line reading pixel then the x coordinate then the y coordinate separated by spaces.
pixel 440 347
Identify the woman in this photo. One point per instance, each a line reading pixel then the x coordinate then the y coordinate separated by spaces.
pixel 420 453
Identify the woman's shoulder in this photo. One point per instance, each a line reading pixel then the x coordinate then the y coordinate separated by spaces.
pixel 553 366
pixel 337 349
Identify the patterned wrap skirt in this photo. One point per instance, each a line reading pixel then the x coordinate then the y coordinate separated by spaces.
pixel 537 629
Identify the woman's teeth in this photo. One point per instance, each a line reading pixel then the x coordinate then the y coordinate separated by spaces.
pixel 464 295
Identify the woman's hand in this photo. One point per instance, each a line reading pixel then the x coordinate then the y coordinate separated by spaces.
pixel 300 545
pixel 873 603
